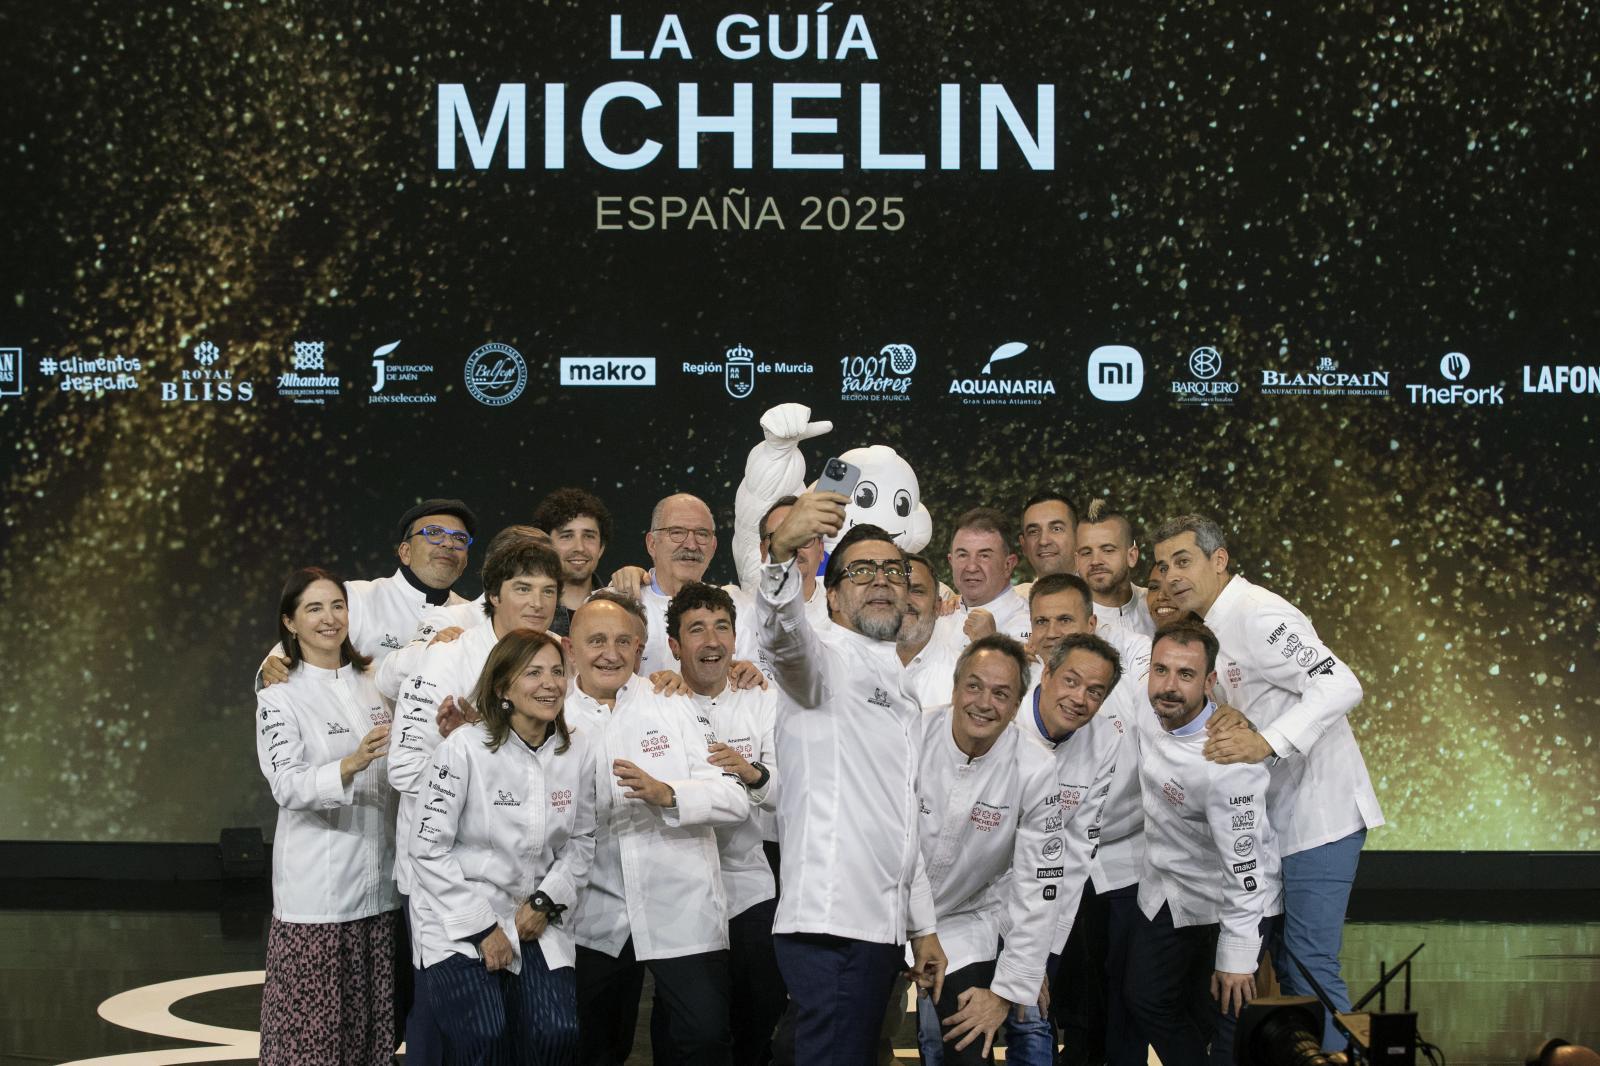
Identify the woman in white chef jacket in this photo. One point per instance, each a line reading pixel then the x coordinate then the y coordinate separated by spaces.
pixel 321 737
pixel 504 837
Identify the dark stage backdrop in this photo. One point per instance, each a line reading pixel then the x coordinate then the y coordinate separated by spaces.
pixel 275 270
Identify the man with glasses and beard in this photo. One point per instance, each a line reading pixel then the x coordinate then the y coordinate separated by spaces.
pixel 681 541
pixel 854 889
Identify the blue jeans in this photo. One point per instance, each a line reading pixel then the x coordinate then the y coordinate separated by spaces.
pixel 1316 893
pixel 1030 1042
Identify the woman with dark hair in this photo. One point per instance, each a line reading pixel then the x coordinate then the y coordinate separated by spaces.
pixel 502 844
pixel 329 995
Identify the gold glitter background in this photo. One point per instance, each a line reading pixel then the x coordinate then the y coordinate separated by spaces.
pixel 1329 181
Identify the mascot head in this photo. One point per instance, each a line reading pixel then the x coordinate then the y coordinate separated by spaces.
pixel 886 496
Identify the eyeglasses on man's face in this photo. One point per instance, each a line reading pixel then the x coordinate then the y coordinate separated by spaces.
pixel 445 537
pixel 864 571
pixel 679 534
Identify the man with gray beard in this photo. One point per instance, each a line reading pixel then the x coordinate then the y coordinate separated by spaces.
pixel 854 888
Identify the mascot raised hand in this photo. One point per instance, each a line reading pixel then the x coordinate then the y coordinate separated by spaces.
pixel 887 494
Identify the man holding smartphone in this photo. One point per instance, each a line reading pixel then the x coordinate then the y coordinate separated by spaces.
pixel 854 888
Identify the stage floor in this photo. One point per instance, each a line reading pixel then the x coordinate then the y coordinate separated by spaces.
pixel 187 978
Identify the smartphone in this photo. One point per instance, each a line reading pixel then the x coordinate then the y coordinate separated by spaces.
pixel 839 476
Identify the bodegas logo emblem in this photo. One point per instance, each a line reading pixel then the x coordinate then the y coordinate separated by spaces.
pixel 991 388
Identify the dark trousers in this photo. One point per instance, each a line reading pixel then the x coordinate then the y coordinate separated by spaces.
pixel 1169 990
pixel 693 989
pixel 1124 1042
pixel 758 994
pixel 838 992
pixel 425 1043
pixel 1078 995
pixel 527 1019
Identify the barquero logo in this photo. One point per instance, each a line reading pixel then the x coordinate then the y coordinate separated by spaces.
pixel 496 374
pixel 991 388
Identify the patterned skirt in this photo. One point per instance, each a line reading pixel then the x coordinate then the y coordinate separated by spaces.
pixel 329 996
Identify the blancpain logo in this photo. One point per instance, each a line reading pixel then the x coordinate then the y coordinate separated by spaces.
pixel 1454 367
pixel 1325 380
pixel 1573 379
pixel 987 388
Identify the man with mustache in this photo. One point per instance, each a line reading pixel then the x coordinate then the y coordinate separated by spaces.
pixel 1296 696
pixel 1107 555
pixel 433 537
pixel 854 886
pixel 1210 884
pixel 1089 1004
pixel 580 527
pixel 681 541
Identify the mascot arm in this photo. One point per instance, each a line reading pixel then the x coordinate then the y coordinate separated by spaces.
pixel 775 468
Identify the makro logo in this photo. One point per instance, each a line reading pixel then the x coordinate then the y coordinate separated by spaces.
pixel 1116 373
pixel 1577 380
pixel 10 371
pixel 1454 368
pixel 207 385
pixel 608 370
pixel 496 374
pixel 990 388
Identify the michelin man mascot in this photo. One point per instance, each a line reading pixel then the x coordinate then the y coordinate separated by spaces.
pixel 887 494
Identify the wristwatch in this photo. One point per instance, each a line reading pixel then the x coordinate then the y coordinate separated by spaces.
pixel 760 782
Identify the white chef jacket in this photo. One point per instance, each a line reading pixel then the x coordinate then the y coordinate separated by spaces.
pixel 1275 669
pixel 656 876
pixel 992 856
pixel 849 740
pixel 929 678
pixel 1085 762
pixel 384 613
pixel 658 655
pixel 333 850
pixel 445 670
pixel 745 720
pixel 1011 617
pixel 1210 852
pixel 1117 861
pixel 1134 615
pixel 496 827
pixel 396 667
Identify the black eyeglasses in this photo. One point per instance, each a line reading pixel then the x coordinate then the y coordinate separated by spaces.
pixel 679 534
pixel 865 571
